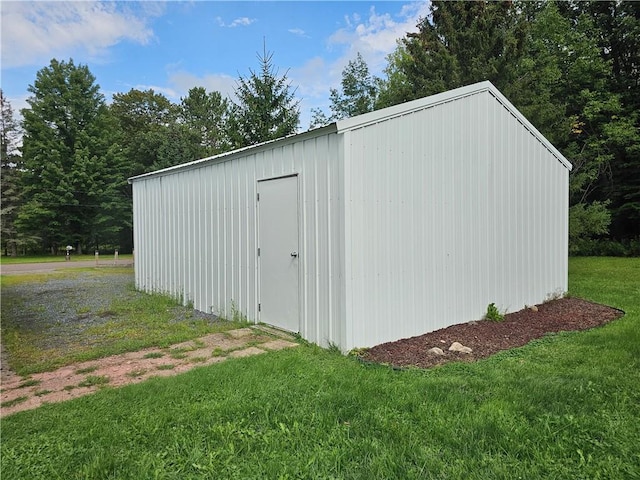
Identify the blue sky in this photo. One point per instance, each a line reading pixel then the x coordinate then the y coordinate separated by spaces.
pixel 174 46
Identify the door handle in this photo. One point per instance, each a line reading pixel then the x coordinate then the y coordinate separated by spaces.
pixel 294 254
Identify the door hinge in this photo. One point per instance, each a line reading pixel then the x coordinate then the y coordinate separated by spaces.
pixel 259 307
pixel 258 196
pixel 258 251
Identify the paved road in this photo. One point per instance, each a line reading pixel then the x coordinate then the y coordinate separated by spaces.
pixel 52 266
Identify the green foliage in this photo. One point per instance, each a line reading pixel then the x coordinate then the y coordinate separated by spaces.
pixel 586 222
pixel 206 114
pixel 146 123
pixel 72 169
pixel 357 96
pixel 462 43
pixel 493 313
pixel 266 108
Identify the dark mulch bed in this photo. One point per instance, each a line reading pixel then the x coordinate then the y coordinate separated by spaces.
pixel 486 337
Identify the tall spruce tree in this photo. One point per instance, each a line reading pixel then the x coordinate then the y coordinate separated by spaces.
pixel 72 167
pixel 265 109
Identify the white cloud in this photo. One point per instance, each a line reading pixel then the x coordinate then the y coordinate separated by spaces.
pixel 34 32
pixel 238 22
pixel 374 37
pixel 166 91
pixel 299 32
pixel 181 82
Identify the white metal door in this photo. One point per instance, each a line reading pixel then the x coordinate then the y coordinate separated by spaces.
pixel 278 252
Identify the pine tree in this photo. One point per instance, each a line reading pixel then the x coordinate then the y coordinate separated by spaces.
pixel 265 109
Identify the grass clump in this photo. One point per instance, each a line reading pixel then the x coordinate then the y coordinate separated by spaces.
pixel 493 313
pixel 94 380
pixel 153 355
pixel 82 371
pixel 168 366
pixel 15 401
pixel 29 383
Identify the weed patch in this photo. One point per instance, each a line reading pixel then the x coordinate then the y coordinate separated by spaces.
pixel 15 401
pixel 154 355
pixel 82 371
pixel 94 380
pixel 29 383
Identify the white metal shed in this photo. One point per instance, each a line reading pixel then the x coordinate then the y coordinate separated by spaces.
pixel 375 228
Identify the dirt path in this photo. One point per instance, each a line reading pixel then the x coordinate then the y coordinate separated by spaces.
pixel 25 393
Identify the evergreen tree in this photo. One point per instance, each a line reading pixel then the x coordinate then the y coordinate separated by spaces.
pixel 461 43
pixel 11 163
pixel 266 108
pixel 72 166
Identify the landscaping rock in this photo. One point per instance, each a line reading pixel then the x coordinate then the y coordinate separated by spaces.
pixel 533 308
pixel 458 347
pixel 436 351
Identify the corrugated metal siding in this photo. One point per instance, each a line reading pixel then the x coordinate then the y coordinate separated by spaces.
pixel 195 232
pixel 448 209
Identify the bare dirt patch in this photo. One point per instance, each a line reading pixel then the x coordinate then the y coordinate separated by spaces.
pixel 486 337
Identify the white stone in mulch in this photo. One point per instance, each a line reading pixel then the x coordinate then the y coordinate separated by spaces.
pixel 458 347
pixel 436 351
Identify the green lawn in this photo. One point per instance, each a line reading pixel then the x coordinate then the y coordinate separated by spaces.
pixel 60 258
pixel 564 407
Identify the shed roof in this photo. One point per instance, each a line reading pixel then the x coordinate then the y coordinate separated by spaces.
pixel 377 116
pixel 445 97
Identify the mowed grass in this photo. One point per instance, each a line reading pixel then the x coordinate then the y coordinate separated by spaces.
pixel 564 407
pixel 5 260
pixel 127 324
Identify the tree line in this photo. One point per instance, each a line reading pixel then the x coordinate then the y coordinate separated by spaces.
pixel 572 68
